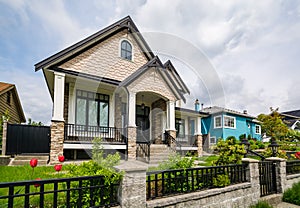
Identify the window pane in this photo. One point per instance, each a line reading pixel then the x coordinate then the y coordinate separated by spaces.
pixel 81 111
pixel 126 50
pixel 93 108
pixel 103 114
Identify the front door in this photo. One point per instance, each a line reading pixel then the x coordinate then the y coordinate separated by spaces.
pixel 143 123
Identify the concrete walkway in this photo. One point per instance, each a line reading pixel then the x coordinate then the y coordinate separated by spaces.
pixel 287 205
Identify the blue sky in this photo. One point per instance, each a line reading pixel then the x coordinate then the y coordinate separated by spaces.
pixel 253 46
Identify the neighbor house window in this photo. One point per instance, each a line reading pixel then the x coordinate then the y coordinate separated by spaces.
pixel 92 109
pixel 8 98
pixel 217 121
pixel 257 129
pixel 179 125
pixel 229 122
pixel 212 140
pixel 126 50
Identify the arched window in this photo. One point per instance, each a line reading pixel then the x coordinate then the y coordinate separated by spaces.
pixel 126 50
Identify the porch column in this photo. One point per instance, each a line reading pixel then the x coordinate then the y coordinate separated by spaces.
pixel 171 121
pixel 59 91
pixel 198 137
pixel 131 135
pixel 57 123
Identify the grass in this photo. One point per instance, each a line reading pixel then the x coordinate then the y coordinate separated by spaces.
pixel 208 160
pixel 24 173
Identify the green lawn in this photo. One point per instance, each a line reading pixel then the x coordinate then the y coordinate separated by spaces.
pixel 208 160
pixel 24 173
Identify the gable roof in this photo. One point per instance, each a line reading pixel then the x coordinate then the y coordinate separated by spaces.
pixel 155 62
pixel 5 87
pixel 85 44
pixel 292 114
pixel 217 109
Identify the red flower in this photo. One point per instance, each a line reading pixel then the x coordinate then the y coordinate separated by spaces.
pixel 61 158
pixel 33 162
pixel 58 167
pixel 37 184
pixel 297 155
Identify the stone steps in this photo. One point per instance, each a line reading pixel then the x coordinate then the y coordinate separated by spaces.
pixel 21 160
pixel 159 153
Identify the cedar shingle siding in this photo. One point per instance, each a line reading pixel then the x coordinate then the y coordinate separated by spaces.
pixel 12 107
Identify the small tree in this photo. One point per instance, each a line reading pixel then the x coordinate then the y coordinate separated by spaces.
pixel 34 123
pixel 230 151
pixel 272 125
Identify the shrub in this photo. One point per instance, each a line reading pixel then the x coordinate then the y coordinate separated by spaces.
pixel 292 195
pixel 221 180
pixel 230 151
pixel 175 161
pixel 261 204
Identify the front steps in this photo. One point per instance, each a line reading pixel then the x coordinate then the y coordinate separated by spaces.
pixel 159 153
pixel 24 159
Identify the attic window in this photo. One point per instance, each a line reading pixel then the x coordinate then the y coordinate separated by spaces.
pixel 8 99
pixel 126 50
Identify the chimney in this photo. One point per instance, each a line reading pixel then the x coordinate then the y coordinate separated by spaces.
pixel 245 112
pixel 197 105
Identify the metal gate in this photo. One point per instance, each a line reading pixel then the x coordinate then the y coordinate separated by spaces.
pixel 267 178
pixel 27 139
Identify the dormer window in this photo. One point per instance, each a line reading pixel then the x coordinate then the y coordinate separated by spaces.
pixel 126 50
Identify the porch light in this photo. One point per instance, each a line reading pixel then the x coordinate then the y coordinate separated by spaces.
pixel 274 147
pixel 246 144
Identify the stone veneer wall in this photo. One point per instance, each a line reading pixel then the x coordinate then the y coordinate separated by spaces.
pixel 131 142
pixel 57 140
pixel 157 108
pixel 199 144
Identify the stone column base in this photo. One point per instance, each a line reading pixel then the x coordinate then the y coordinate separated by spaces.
pixel 57 140
pixel 131 138
pixel 171 143
pixel 198 139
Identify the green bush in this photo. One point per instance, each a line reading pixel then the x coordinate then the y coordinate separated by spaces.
pixel 100 165
pixel 292 195
pixel 230 151
pixel 221 180
pixel 261 204
pixel 175 161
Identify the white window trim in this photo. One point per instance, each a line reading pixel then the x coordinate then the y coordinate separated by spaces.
pixel 217 127
pixel 259 129
pixel 132 50
pixel 234 120
pixel 213 137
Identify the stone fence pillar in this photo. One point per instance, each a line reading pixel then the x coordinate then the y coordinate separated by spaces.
pixel 131 139
pixel 280 173
pixel 253 178
pixel 132 190
pixel 4 137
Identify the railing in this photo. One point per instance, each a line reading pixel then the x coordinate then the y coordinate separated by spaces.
pixel 186 140
pixel 293 167
pixel 88 133
pixel 173 144
pixel 173 182
pixel 267 178
pixel 87 191
pixel 143 148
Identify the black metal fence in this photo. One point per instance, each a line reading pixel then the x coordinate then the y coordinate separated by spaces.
pixel 172 182
pixel 87 191
pixel 27 139
pixel 293 167
pixel 88 133
pixel 267 178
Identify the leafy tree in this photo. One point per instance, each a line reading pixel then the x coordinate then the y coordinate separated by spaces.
pixel 230 151
pixel 272 125
pixel 34 123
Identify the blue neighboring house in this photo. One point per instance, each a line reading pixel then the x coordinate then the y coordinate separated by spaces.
pixel 222 123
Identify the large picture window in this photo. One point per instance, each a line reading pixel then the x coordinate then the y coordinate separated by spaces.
pixel 229 122
pixel 92 109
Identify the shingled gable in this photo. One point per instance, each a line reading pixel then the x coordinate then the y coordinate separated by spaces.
pixel 157 64
pixel 89 42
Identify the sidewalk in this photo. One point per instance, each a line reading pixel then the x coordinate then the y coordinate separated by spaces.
pixel 287 205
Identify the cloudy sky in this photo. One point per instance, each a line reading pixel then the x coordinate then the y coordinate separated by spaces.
pixel 252 47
